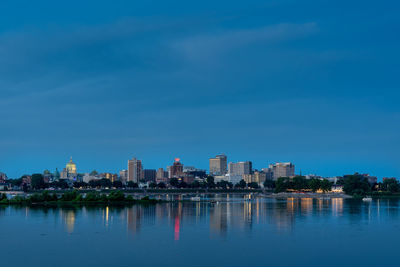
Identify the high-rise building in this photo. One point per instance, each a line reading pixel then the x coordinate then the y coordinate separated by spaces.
pixel 123 175
pixel 237 171
pixel 110 176
pixel 150 175
pixel 161 176
pixel 176 170
pixel 3 177
pixel 240 168
pixel 285 169
pixel 135 170
pixel 218 165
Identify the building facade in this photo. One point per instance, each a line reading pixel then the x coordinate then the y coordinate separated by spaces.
pixel 135 170
pixel 176 170
pixel 285 169
pixel 161 176
pixel 150 175
pixel 218 165
pixel 70 171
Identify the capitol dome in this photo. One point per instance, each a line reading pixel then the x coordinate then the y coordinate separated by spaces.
pixel 71 167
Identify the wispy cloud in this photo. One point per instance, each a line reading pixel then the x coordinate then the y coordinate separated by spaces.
pixel 206 46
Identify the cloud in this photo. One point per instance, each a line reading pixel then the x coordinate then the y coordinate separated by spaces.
pixel 207 46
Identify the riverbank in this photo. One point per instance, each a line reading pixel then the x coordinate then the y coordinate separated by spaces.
pixel 307 195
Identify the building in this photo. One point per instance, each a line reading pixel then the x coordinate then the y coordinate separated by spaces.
pixel 123 176
pixel 218 165
pixel 110 176
pixel 135 170
pixel 237 171
pixel 259 177
pixel 240 168
pixel 150 175
pixel 161 176
pixel 278 170
pixel 70 171
pixel 87 177
pixel 3 177
pixel 176 170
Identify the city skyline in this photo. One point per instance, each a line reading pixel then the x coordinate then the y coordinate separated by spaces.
pixel 142 167
pixel 267 82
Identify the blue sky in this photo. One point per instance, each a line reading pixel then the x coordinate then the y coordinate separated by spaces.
pixel 312 82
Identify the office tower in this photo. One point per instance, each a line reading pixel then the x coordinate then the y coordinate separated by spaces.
pixel 237 171
pixel 176 170
pixel 240 168
pixel 150 175
pixel 161 176
pixel 135 170
pixel 279 169
pixel 123 175
pixel 218 165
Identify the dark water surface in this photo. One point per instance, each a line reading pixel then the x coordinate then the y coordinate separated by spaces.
pixel 232 232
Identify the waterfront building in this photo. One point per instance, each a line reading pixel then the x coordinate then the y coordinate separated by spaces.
pixel 218 165
pixel 176 170
pixel 285 169
pixel 135 170
pixel 149 175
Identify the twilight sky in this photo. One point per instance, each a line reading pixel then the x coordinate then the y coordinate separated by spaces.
pixel 312 82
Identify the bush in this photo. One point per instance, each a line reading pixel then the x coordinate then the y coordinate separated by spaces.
pixel 116 196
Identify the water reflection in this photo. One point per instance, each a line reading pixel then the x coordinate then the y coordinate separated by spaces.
pixel 227 213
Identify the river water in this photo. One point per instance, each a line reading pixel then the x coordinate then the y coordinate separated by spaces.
pixel 235 230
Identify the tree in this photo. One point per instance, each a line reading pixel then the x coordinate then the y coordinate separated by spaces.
pixel 269 183
pixel 391 185
pixel 174 182
pixel 282 184
pixel 253 185
pixel 94 173
pixel 152 185
pixel 94 183
pixel 62 183
pixel 80 184
pixel 131 184
pixel 116 196
pixel 326 185
pixel 117 184
pixel 105 182
pixel 299 183
pixel 356 185
pixel 224 184
pixel 161 185
pixel 182 185
pixel 314 184
pixel 241 184
pixel 15 182
pixel 37 181
pixel 195 184
pixel 210 181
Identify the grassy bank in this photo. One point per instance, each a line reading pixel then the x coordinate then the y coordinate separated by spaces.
pixel 161 191
pixel 74 197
